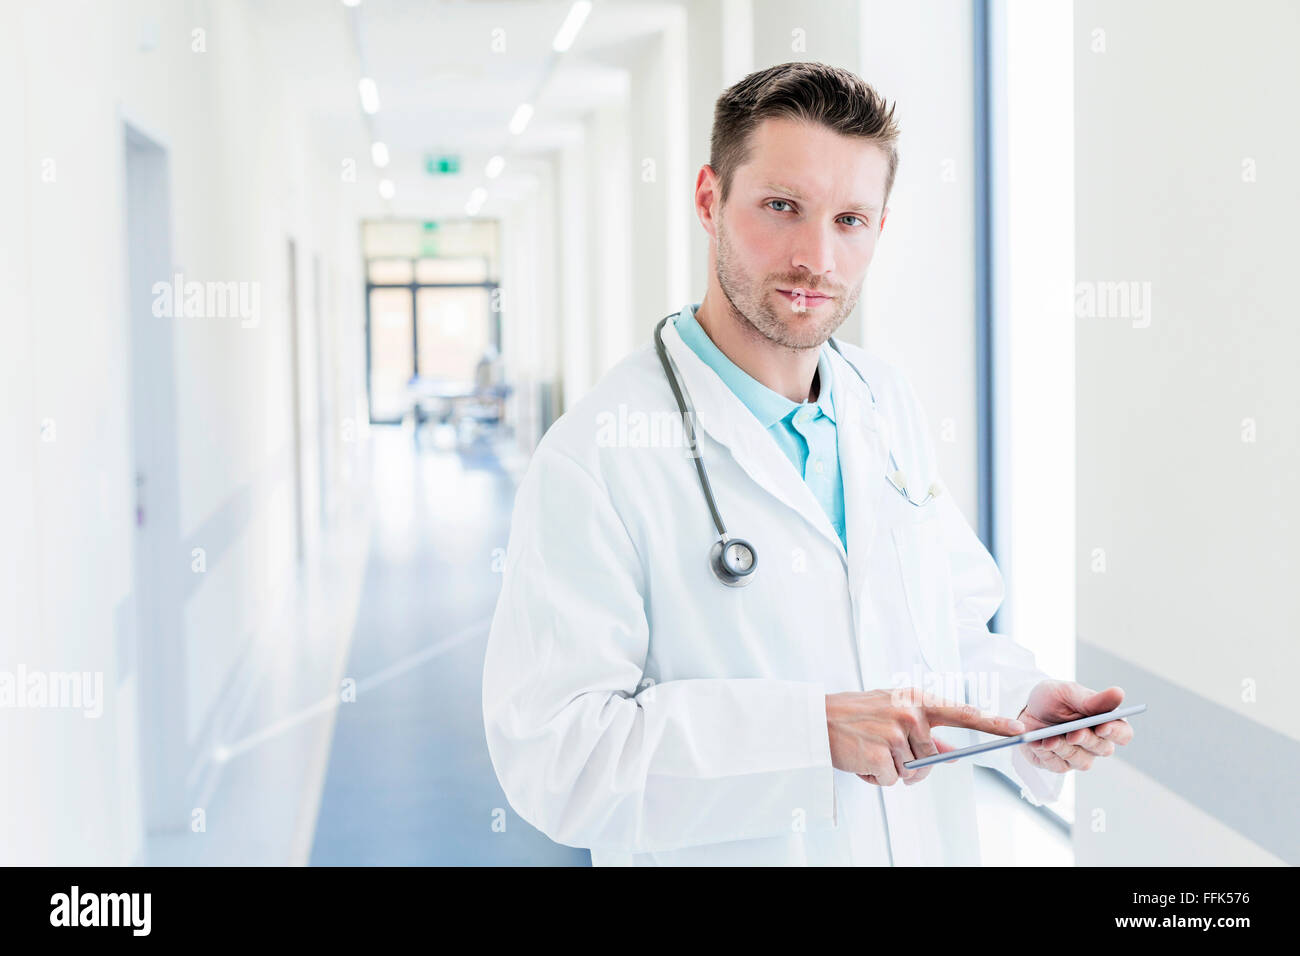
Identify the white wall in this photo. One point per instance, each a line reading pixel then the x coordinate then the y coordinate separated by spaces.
pixel 529 328
pixel 572 238
pixel 19 429
pixel 248 171
pixel 720 48
pixel 660 195
pixel 1186 151
pixel 918 303
pixel 613 318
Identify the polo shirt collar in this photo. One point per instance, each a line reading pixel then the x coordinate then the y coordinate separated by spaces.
pixel 768 406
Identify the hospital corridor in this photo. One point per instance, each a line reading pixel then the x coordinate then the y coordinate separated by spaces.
pixel 307 307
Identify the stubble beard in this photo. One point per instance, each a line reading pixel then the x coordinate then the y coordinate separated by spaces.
pixel 752 308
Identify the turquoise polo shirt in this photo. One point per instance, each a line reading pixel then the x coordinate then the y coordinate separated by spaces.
pixel 805 432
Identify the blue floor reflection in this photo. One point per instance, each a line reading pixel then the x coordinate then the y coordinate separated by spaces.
pixel 409 779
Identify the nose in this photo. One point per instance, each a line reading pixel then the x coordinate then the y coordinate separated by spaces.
pixel 814 250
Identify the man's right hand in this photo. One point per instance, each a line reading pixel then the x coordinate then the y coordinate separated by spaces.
pixel 872 733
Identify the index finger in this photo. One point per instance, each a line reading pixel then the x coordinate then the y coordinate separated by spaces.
pixel 1116 731
pixel 968 715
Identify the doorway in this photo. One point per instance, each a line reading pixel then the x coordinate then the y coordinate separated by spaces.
pixel 159 630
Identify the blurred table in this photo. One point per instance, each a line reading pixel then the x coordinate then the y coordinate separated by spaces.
pixel 456 403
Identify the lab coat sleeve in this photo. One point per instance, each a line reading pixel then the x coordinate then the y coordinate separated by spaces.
pixel 991 662
pixel 585 750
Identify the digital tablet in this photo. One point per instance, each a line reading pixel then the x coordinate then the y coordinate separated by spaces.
pixel 1052 730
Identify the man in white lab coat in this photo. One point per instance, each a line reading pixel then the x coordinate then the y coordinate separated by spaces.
pixel 637 703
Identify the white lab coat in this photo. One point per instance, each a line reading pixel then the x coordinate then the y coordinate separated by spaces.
pixel 636 706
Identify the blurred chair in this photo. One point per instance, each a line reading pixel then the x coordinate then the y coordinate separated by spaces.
pixel 474 410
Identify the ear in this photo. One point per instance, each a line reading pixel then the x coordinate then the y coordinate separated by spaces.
pixel 706 195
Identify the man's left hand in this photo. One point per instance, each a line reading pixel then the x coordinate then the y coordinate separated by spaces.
pixel 1058 701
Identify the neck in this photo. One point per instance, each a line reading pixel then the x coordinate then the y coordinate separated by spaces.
pixel 786 371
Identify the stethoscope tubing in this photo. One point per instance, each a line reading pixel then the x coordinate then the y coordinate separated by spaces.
pixel 688 422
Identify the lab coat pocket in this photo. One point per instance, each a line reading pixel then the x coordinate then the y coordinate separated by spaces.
pixel 923 565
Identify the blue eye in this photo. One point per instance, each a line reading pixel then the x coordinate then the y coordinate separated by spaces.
pixel 786 202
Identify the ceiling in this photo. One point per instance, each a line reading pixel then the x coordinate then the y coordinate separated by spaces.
pixel 450 75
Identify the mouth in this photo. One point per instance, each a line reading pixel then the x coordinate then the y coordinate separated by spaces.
pixel 810 299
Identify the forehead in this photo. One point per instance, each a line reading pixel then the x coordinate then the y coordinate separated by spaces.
pixel 809 160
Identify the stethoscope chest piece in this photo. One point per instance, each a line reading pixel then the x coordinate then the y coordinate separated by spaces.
pixel 733 561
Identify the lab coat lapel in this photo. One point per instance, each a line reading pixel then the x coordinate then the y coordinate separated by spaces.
pixel 863 435
pixel 728 421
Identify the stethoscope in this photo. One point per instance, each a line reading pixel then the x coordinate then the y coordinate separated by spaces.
pixel 734 560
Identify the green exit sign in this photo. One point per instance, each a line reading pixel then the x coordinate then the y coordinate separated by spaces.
pixel 437 165
pixel 429 239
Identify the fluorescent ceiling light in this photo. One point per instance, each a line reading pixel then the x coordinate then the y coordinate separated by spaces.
pixel 369 95
pixel 572 24
pixel 387 189
pixel 379 153
pixel 475 201
pixel 494 167
pixel 521 118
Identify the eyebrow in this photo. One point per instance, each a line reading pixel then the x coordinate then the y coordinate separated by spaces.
pixel 794 194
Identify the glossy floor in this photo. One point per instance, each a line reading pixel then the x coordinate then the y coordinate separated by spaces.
pixel 361 741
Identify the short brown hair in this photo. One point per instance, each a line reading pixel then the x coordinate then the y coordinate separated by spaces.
pixel 813 92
